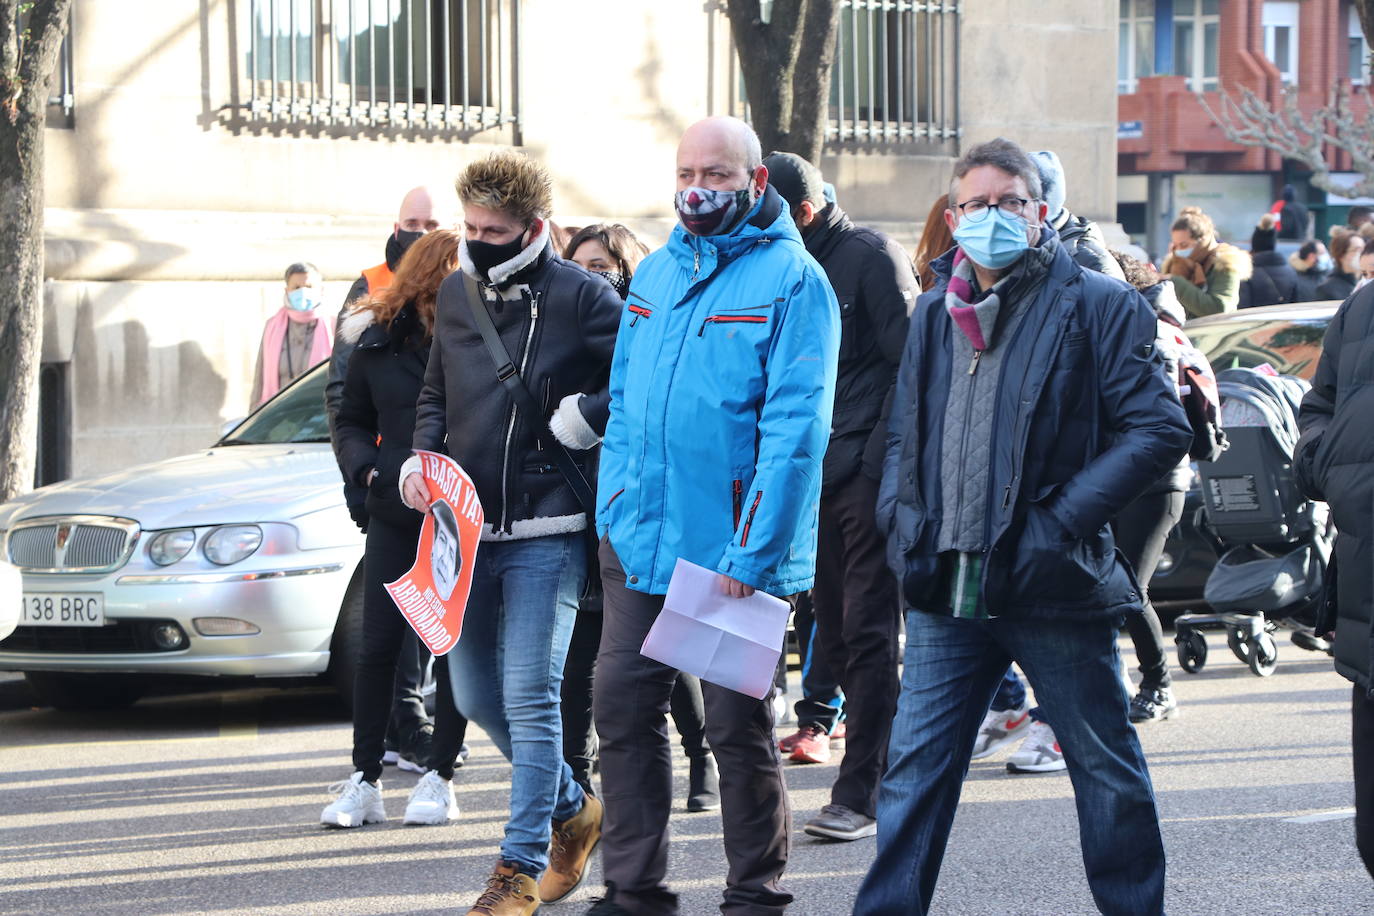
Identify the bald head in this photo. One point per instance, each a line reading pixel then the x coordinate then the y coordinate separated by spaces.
pixel 721 154
pixel 422 210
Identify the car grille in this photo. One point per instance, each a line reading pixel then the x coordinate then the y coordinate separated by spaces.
pixel 72 544
pixel 115 636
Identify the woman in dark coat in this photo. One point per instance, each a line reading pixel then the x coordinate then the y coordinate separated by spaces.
pixel 375 422
pixel 1346 248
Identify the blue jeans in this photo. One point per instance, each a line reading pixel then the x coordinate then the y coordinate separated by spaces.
pixel 507 669
pixel 1011 693
pixel 952 669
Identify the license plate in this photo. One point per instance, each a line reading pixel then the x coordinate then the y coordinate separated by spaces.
pixel 63 609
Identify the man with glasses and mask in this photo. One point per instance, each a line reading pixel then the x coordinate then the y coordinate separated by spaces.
pixel 556 325
pixel 1031 407
pixel 721 396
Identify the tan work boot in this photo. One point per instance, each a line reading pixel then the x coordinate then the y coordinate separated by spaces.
pixel 509 893
pixel 571 845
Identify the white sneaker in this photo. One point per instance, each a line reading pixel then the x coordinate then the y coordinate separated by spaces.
pixel 1039 753
pixel 359 802
pixel 1000 729
pixel 431 801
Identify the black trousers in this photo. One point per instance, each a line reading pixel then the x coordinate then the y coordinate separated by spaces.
pixel 1362 747
pixel 1141 530
pixel 389 552
pixel 580 746
pixel 857 613
pixel 631 703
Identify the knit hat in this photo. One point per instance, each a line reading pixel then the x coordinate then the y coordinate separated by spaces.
pixel 1052 187
pixel 795 179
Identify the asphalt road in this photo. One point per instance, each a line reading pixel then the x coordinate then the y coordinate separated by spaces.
pixel 208 803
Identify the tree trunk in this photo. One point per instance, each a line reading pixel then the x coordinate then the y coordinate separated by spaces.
pixel 786 64
pixel 27 60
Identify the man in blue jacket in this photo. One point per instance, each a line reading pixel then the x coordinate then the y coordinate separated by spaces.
pixel 721 393
pixel 1031 407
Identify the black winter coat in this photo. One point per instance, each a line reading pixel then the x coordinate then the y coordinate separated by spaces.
pixel 1337 286
pixel 1087 246
pixel 1334 460
pixel 1308 281
pixel 1086 423
pixel 385 374
pixel 558 323
pixel 1273 282
pixel 875 283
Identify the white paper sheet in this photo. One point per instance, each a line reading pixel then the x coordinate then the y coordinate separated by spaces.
pixel 732 642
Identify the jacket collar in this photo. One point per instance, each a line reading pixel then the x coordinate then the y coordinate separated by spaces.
pixel 768 220
pixel 829 232
pixel 525 263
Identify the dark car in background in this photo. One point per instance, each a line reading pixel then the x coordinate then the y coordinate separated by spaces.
pixel 1289 339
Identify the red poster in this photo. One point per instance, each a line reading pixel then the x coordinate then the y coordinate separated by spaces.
pixel 434 593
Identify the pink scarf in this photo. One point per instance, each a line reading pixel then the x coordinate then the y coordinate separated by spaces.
pixel 321 345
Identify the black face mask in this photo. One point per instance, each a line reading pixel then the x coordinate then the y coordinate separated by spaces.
pixel 486 255
pixel 398 243
pixel 619 282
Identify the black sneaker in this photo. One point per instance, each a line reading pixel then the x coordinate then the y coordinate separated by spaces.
pixel 603 907
pixel 416 752
pixel 1152 705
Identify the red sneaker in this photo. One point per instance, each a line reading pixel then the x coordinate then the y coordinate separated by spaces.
pixel 787 744
pixel 812 746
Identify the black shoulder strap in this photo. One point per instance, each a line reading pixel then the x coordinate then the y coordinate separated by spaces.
pixel 509 376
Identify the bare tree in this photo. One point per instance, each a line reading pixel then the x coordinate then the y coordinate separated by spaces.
pixel 786 51
pixel 31 33
pixel 1250 120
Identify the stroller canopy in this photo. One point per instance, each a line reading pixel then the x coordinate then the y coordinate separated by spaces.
pixel 1253 398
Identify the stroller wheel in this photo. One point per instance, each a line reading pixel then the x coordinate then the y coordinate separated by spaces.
pixel 1264 655
pixel 1240 645
pixel 1192 651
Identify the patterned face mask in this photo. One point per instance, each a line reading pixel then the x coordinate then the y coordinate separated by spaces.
pixel 706 212
pixel 618 280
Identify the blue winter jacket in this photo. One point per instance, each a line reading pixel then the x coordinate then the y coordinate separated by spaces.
pixel 721 393
pixel 1085 422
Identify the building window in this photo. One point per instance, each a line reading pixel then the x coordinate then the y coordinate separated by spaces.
pixel 1197 35
pixel 1358 49
pixel 430 64
pixel 1281 38
pixel 1136 44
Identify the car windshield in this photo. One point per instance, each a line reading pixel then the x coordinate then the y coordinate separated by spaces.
pixel 294 415
pixel 1291 346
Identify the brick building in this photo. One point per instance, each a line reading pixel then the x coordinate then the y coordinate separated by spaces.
pixel 1170 154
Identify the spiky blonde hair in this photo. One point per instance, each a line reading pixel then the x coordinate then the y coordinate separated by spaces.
pixel 509 182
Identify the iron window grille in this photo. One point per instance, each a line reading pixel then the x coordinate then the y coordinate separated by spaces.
pixel 446 65
pixel 895 74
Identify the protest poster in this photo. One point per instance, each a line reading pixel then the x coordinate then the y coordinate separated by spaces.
pixel 433 594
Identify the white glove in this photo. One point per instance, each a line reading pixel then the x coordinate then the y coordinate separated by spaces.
pixel 411 466
pixel 570 427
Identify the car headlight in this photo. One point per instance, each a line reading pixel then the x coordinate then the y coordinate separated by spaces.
pixel 171 546
pixel 232 543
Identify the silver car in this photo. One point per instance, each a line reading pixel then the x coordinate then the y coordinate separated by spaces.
pixel 238 560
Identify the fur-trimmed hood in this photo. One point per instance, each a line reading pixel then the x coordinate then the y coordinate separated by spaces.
pixel 1233 259
pixel 355 323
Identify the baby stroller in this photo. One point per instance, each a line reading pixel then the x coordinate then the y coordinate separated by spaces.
pixel 1275 543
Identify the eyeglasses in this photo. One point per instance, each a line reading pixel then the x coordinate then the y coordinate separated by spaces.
pixel 975 211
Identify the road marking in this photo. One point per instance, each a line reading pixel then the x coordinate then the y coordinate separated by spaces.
pixel 1339 814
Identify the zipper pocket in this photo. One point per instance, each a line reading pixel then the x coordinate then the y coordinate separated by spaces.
pixel 639 312
pixel 731 319
pixel 748 522
pixel 614 497
pixel 737 501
